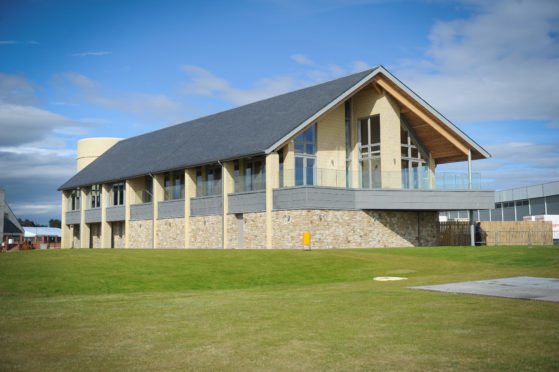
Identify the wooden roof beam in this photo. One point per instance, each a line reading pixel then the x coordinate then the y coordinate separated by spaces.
pixel 409 105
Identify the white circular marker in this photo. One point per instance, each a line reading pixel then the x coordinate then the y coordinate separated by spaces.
pixel 388 278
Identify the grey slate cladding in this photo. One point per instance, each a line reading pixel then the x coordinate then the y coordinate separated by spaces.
pixel 73 217
pixel 116 213
pixel 247 202
pixel 312 197
pixel 243 131
pixel 140 212
pixel 92 215
pixel 170 209
pixel 206 206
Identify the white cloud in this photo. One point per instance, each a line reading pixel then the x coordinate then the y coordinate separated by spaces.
pixel 358 66
pixel 147 106
pixel 17 90
pixel 514 164
pixel 500 64
pixel 85 54
pixel 302 59
pixel 7 42
pixel 204 83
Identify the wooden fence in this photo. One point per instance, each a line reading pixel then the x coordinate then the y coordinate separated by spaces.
pixel 497 233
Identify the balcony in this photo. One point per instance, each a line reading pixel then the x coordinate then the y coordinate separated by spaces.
pixel 418 179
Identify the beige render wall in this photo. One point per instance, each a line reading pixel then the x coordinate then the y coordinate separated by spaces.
pixel 370 102
pixel 205 232
pixel 330 157
pixel 353 229
pixel 141 234
pixel 137 185
pixel 170 233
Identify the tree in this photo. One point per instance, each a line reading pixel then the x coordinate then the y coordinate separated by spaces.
pixel 55 223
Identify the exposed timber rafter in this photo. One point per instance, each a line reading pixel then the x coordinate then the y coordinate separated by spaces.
pixel 410 106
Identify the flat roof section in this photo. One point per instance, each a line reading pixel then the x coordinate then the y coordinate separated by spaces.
pixel 521 287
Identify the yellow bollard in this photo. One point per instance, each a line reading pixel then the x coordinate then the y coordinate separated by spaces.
pixel 307 241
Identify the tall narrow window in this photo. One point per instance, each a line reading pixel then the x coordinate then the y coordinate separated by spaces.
pixel 415 171
pixel 95 196
pixel 200 189
pixel 280 156
pixel 74 200
pixel 305 157
pixel 255 175
pixel 369 133
pixel 148 190
pixel 213 176
pixel 118 193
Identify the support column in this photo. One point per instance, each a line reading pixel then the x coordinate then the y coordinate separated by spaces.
pixel 228 186
pixel 84 227
pixel 469 169
pixel 189 192
pixel 158 191
pixel 288 165
pixel 432 179
pixel 472 229
pixel 128 194
pixel 65 239
pixel 106 230
pixel 272 182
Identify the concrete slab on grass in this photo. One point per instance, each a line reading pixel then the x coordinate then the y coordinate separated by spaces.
pixel 523 287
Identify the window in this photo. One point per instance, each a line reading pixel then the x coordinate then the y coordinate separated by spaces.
pixel 415 171
pixel 74 201
pixel 255 175
pixel 280 156
pixel 369 133
pixel 118 193
pixel 95 196
pixel 305 157
pixel 213 174
pixel 147 196
pixel 174 185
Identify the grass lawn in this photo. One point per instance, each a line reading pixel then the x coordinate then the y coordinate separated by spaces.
pixel 272 310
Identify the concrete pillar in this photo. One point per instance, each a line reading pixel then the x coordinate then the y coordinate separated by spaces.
pixel 272 182
pixel 228 186
pixel 128 199
pixel 189 192
pixel 158 192
pixel 84 227
pixel 470 186
pixel 66 240
pixel 106 228
pixel 288 165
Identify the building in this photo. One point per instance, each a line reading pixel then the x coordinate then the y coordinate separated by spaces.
pixel 515 204
pixel 352 161
pixel 10 228
pixel 43 237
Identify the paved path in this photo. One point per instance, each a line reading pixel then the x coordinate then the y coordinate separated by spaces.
pixel 524 287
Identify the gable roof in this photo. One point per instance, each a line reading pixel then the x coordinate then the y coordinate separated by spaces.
pixel 254 129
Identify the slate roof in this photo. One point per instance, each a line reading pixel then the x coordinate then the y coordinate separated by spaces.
pixel 239 132
pixel 10 228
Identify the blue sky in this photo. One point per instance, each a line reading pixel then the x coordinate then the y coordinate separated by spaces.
pixel 75 69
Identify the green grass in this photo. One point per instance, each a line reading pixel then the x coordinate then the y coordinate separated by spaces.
pixel 272 310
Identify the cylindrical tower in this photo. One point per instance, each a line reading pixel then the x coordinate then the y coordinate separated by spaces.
pixel 90 149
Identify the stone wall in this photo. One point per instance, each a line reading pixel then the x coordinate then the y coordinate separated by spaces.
pixel 353 229
pixel 169 233
pixel 141 234
pixel 205 232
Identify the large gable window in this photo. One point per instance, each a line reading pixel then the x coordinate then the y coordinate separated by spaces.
pixel 415 171
pixel 305 157
pixel 369 133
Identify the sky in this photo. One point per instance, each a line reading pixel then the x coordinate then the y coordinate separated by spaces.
pixel 100 68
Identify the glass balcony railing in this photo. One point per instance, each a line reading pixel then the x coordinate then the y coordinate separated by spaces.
pixel 417 179
pixel 174 192
pixel 208 188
